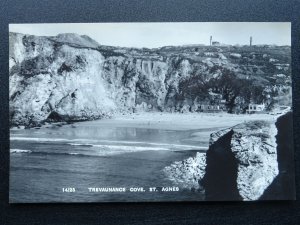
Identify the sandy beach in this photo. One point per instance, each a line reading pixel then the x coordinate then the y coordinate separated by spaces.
pixel 177 121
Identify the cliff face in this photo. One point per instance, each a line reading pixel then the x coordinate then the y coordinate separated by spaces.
pixel 241 162
pixel 187 173
pixel 250 161
pixel 283 186
pixel 72 77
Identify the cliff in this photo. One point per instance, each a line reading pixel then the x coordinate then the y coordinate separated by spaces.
pixel 187 173
pixel 283 186
pixel 251 161
pixel 71 77
pixel 240 164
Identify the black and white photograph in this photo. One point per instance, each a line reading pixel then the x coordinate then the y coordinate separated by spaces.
pixel 150 112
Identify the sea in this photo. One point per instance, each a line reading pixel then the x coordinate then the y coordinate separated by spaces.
pixel 62 163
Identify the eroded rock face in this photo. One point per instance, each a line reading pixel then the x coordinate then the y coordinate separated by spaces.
pixel 188 172
pixel 47 77
pixel 283 186
pixel 76 78
pixel 241 162
pixel 250 161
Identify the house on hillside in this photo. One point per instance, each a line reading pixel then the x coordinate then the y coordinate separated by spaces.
pixel 212 107
pixel 209 108
pixel 256 108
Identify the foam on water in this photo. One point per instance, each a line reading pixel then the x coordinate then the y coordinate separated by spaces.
pixel 122 144
pixel 20 151
pixel 79 144
pixel 13 138
pixel 131 148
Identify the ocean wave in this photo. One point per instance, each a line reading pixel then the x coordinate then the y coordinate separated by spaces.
pixel 13 138
pixel 73 153
pixel 114 145
pixel 145 145
pixel 81 144
pixel 97 151
pixel 20 151
pixel 38 139
pixel 59 153
pixel 77 154
pixel 154 143
pixel 131 148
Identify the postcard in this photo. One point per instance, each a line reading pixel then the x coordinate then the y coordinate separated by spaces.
pixel 143 112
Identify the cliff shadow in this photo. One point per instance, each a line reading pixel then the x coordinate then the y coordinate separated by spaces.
pixel 220 178
pixel 283 186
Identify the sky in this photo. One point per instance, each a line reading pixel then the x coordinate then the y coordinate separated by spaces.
pixel 152 35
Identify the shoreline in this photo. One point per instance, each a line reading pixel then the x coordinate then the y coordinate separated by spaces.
pixel 176 121
pixel 163 120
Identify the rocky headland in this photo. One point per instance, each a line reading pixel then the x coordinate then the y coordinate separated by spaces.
pixel 241 162
pixel 250 161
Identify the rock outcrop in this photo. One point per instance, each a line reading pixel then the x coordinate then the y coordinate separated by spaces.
pixel 187 173
pixel 241 162
pixel 283 186
pixel 250 161
pixel 71 77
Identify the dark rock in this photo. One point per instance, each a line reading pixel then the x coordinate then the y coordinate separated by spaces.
pixel 283 186
pixel 220 180
pixel 241 162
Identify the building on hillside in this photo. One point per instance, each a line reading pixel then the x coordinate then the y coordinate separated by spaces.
pixel 209 108
pixel 216 43
pixel 256 108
